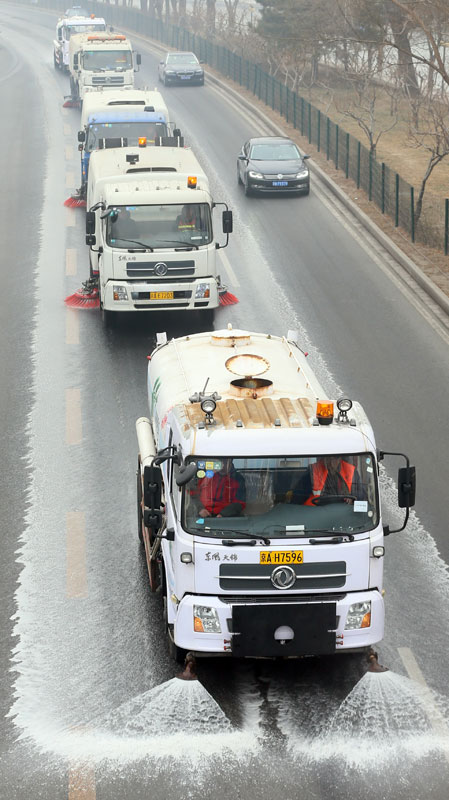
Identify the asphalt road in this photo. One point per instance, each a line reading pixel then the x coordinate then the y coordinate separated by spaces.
pixel 86 637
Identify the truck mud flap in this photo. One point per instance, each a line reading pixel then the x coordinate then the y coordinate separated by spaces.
pixel 258 630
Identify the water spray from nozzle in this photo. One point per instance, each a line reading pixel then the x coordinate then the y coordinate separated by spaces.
pixel 373 661
pixel 189 673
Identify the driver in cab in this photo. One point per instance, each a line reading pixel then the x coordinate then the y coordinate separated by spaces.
pixel 330 476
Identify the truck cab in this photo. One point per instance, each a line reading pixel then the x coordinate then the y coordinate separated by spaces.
pixel 100 60
pixel 150 230
pixel 70 26
pixel 269 540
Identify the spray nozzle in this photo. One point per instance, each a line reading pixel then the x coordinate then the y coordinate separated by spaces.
pixel 373 661
pixel 189 673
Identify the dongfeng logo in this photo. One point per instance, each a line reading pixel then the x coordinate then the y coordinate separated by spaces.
pixel 161 268
pixel 283 577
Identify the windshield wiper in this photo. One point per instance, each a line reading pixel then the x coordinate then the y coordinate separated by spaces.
pixel 133 241
pixel 345 537
pixel 180 245
pixel 243 532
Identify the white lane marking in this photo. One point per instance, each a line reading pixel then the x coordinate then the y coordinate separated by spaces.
pixel 228 269
pixel 70 261
pixel 242 112
pixel 68 152
pixel 70 218
pixel 70 179
pixel 73 424
pixel 72 327
pixel 435 716
pixel 66 128
pixel 76 585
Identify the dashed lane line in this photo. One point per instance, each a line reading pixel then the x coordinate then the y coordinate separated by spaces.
pixel 74 428
pixel 70 218
pixel 229 270
pixel 70 180
pixel 72 327
pixel 70 261
pixel 435 716
pixel 68 151
pixel 67 130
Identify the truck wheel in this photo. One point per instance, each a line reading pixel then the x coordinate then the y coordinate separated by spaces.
pixel 139 504
pixel 176 653
pixel 55 61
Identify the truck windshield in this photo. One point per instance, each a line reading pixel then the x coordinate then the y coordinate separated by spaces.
pixel 99 60
pixel 283 496
pixel 69 30
pixel 131 131
pixel 163 226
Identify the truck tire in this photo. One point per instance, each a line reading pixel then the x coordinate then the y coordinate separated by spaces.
pixel 55 61
pixel 176 653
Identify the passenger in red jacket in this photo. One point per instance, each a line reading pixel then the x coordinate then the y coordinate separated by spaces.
pixel 222 495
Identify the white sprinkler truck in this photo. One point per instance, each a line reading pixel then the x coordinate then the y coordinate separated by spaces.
pixel 121 118
pixel 100 60
pixel 68 27
pixel 258 501
pixel 149 228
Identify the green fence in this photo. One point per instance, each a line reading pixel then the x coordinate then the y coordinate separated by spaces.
pixel 385 188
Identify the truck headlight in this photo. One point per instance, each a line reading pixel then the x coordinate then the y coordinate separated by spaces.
pixel 205 620
pixel 202 291
pixel 120 293
pixel 359 616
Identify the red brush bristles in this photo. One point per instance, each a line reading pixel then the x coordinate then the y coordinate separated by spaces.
pixel 84 298
pixel 71 104
pixel 74 202
pixel 228 299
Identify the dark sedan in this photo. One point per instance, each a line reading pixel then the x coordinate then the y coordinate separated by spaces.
pixel 272 164
pixel 181 68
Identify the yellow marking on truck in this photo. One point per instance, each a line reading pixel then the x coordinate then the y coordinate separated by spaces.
pixel 70 261
pixel 69 179
pixel 81 782
pixel 76 554
pixel 68 152
pixel 72 328
pixel 73 425
pixel 70 218
pixel 67 130
pixel 434 715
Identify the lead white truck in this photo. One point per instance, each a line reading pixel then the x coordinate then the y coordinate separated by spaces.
pixel 67 27
pixel 258 501
pixel 149 226
pixel 100 60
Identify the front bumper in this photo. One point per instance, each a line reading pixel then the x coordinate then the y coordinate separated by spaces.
pixel 266 185
pixel 187 79
pixel 248 626
pixel 184 296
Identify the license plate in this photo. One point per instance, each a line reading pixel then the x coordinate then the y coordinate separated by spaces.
pixel 280 183
pixel 281 557
pixel 185 77
pixel 161 295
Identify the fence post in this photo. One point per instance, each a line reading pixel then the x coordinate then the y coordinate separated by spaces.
pixel 255 79
pixel 318 131
pixel 383 188
pixel 370 177
pixel 240 71
pixel 347 156
pixel 396 215
pixel 446 227
pixel 359 158
pixel 302 116
pixel 337 131
pixel 328 129
pixel 310 122
pixel 412 212
pixel 294 109
pixel 281 93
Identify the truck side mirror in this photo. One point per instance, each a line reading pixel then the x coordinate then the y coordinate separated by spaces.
pixel 186 473
pixel 75 61
pixel 138 59
pixel 406 487
pixel 81 136
pixel 152 487
pixel 90 222
pixel 227 221
pixel 91 239
pixel 177 133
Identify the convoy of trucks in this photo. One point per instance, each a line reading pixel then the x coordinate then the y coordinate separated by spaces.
pixel 70 26
pixel 258 500
pixel 150 230
pixel 253 557
pixel 99 60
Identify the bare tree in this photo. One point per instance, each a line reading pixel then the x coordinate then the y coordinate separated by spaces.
pixel 432 135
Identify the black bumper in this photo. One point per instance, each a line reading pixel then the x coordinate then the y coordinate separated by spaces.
pixel 313 625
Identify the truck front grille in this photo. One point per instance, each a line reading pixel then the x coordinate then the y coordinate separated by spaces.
pixel 257 577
